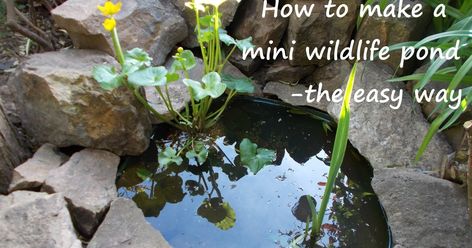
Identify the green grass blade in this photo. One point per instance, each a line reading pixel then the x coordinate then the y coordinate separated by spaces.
pixel 461 73
pixel 435 66
pixel 339 149
pixel 432 131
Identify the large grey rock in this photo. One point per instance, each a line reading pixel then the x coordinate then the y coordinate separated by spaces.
pixel 154 25
pixel 36 220
pixel 87 181
pixel 284 93
pixel 227 9
pixel 12 152
pixel 388 137
pixel 282 71
pixel 248 22
pixel 32 174
pixel 394 30
pixel 125 227
pixel 332 75
pixel 423 211
pixel 60 103
pixel 317 30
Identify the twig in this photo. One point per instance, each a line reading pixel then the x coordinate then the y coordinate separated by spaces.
pixel 12 23
pixel 468 128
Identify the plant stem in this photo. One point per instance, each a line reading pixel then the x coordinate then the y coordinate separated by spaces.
pixel 117 46
pixel 150 108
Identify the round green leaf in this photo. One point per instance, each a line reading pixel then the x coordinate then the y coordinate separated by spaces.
pixel 213 85
pixel 152 76
pixel 106 76
pixel 240 85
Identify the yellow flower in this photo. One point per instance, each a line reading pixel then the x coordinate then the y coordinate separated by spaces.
pixel 110 9
pixel 109 24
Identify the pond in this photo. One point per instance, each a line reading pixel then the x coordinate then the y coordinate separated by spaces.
pixel 221 203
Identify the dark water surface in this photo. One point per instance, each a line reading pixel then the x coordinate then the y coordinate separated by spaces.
pixel 222 204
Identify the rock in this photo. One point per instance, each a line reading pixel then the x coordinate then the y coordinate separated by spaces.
pixel 423 211
pixel 32 174
pixel 318 30
pixel 153 25
pixel 227 10
pixel 332 75
pixel 284 93
pixel 248 22
pixel 282 71
pixel 388 137
pixel 125 227
pixel 60 103
pixel 87 181
pixel 12 152
pixel 394 30
pixel 36 220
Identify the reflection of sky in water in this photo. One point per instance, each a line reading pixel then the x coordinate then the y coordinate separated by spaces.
pixel 262 204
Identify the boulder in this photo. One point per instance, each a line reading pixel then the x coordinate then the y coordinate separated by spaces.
pixel 125 227
pixel 332 75
pixel 282 71
pixel 87 182
pixel 394 30
pixel 60 103
pixel 284 92
pixel 227 10
pixel 12 152
pixel 248 22
pixel 32 174
pixel 36 220
pixel 317 30
pixel 153 25
pixel 385 136
pixel 423 211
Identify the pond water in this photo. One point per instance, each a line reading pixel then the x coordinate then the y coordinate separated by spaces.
pixel 223 204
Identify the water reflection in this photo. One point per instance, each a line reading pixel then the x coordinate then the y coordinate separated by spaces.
pixel 221 204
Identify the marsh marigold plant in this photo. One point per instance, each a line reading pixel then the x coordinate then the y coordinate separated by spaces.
pixel 136 69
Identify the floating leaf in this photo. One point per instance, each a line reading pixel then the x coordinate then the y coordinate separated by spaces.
pixel 169 156
pixel 152 76
pixel 255 158
pixel 240 85
pixel 107 77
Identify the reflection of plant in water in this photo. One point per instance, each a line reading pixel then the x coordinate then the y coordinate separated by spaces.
pixel 157 186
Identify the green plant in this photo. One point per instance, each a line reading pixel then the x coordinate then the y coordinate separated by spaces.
pixel 455 75
pixel 337 157
pixel 136 70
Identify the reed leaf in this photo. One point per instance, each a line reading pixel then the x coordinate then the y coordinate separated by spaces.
pixel 339 149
